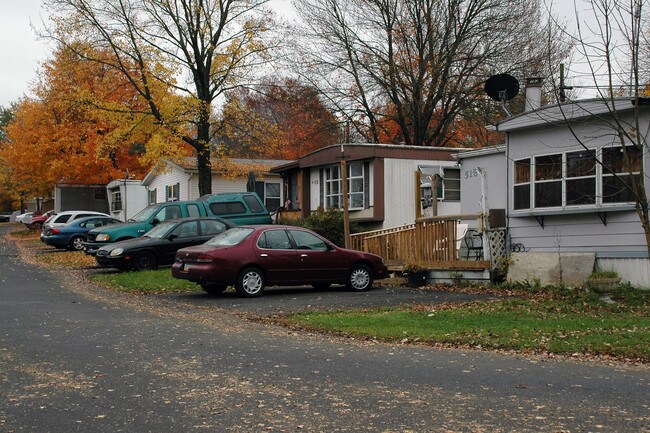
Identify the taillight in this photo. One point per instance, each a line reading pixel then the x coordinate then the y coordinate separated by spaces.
pixel 55 231
pixel 203 258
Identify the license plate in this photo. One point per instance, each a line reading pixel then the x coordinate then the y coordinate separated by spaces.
pixel 185 267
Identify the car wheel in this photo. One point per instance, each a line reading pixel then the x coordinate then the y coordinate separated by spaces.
pixel 77 243
pixel 144 261
pixel 213 288
pixel 321 286
pixel 250 282
pixel 360 278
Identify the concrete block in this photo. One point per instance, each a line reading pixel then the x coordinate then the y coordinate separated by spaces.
pixel 551 268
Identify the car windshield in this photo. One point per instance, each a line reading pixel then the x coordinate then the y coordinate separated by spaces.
pixel 230 237
pixel 160 230
pixel 144 214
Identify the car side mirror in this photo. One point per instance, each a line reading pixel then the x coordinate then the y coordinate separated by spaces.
pixel 172 236
pixel 155 221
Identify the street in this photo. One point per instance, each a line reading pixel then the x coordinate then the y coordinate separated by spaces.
pixel 78 358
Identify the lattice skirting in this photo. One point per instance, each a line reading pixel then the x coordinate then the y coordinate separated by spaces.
pixel 498 247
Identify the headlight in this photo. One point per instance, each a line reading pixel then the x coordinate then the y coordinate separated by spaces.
pixel 116 252
pixel 103 238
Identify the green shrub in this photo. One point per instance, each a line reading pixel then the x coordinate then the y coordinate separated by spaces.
pixel 327 223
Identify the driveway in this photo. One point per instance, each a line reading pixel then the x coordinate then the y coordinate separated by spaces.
pixel 77 358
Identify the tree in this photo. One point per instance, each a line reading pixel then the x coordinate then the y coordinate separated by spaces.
pixel 277 121
pixel 206 47
pixel 425 60
pixel 62 136
pixel 612 44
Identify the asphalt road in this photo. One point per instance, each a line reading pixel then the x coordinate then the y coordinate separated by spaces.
pixel 75 358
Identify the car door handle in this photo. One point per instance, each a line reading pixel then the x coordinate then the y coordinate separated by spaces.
pixel 264 255
pixel 303 256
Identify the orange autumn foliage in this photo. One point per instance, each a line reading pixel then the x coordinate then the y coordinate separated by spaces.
pixel 79 129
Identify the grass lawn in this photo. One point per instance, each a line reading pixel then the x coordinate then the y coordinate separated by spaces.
pixel 564 323
pixel 158 281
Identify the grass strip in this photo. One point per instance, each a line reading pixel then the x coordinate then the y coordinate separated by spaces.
pixel 158 281
pixel 579 324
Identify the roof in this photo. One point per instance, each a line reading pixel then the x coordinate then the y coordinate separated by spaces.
pixel 483 151
pixel 570 111
pixel 231 167
pixel 358 151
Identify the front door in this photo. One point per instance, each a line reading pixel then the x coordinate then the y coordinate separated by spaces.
pixel 277 256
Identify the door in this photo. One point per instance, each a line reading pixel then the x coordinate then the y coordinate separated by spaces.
pixel 183 235
pixel 277 256
pixel 317 261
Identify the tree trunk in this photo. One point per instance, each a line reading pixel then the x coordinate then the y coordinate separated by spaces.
pixel 203 154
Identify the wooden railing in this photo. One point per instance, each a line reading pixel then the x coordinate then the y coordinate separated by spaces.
pixel 431 242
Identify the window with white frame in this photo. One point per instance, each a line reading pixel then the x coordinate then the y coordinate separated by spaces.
pixel 116 201
pixel 357 186
pixel 152 196
pixel 575 179
pixel 172 192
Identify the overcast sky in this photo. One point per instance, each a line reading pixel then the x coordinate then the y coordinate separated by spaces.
pixel 21 52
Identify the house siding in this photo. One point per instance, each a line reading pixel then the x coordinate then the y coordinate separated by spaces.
pixel 572 229
pixel 172 177
pixel 399 191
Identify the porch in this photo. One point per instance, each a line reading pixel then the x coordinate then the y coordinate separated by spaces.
pixel 443 246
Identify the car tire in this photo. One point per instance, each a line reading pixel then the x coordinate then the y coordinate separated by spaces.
pixel 144 261
pixel 321 286
pixel 76 243
pixel 360 278
pixel 250 282
pixel 213 288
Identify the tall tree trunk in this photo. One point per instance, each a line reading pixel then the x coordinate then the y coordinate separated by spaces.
pixel 203 152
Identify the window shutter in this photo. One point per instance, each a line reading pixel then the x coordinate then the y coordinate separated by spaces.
pixel 366 185
pixel 322 188
pixel 178 191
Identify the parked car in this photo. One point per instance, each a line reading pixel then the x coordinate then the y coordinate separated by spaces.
pixel 68 216
pixel 4 218
pixel 22 216
pixel 73 234
pixel 239 208
pixel 159 245
pixel 36 221
pixel 252 257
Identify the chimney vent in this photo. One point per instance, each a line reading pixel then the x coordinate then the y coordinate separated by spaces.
pixel 533 93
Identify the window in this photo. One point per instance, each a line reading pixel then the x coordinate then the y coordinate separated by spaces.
pixel 451 182
pixel 272 198
pixel 116 201
pixel 169 212
pixel 307 241
pixel 575 178
pixel 548 181
pixel 357 186
pixel 227 208
pixel 274 240
pixel 172 192
pixel 193 210
pixel 211 227
pixel 152 196
pixel 581 177
pixel 522 184
pixel 253 204
pixel 618 180
pixel 187 230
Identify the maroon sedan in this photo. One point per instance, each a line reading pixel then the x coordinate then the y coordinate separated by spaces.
pixel 252 257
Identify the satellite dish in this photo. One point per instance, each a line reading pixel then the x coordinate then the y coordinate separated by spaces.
pixel 502 87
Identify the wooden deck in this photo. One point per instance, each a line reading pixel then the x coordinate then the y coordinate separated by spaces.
pixel 431 243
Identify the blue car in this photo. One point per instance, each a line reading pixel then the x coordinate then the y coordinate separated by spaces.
pixel 73 235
